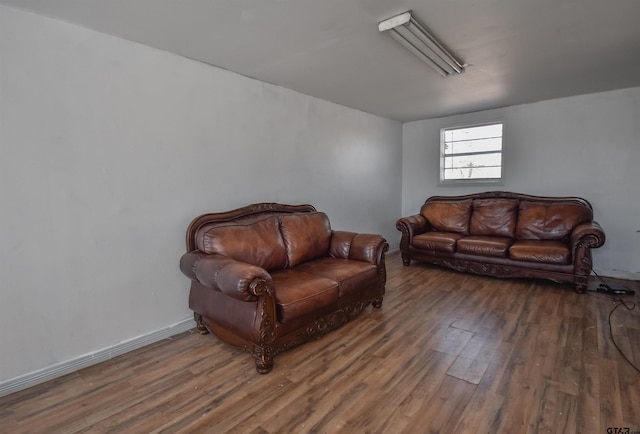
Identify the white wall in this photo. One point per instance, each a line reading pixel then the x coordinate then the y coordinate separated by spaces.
pixel 108 149
pixel 587 146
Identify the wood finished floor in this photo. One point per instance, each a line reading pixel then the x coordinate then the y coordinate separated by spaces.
pixel 447 353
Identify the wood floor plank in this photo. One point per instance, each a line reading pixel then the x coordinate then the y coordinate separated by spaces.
pixel 588 413
pixel 447 352
pixel 486 408
pixel 442 410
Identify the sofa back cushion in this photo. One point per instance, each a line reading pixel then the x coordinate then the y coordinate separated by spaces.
pixel 306 236
pixel 549 220
pixel 494 217
pixel 448 216
pixel 259 243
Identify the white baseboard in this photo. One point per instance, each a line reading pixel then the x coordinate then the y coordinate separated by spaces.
pixel 617 274
pixel 59 369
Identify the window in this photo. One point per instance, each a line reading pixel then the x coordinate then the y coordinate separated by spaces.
pixel 471 154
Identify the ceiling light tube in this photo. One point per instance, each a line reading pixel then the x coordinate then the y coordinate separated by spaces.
pixel 417 39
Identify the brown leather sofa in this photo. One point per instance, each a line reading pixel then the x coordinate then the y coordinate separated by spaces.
pixel 505 234
pixel 270 276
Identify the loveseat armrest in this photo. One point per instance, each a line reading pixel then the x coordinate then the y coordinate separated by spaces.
pixel 360 247
pixel 236 279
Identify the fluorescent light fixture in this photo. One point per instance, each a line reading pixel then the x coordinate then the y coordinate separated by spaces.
pixel 415 37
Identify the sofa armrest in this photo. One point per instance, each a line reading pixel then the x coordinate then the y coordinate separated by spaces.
pixel 239 280
pixel 585 237
pixel 589 235
pixel 359 247
pixel 412 225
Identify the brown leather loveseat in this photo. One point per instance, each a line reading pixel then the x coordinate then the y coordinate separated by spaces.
pixel 269 276
pixel 505 234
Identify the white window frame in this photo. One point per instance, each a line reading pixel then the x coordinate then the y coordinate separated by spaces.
pixel 471 181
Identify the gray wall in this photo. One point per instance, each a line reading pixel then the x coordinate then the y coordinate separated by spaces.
pixel 587 146
pixel 108 149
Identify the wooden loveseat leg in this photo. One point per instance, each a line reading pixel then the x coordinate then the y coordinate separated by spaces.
pixel 264 359
pixel 199 324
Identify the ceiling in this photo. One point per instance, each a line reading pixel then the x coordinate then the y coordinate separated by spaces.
pixel 518 51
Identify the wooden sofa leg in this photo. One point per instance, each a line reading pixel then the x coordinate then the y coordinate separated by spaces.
pixel 581 288
pixel 377 303
pixel 405 260
pixel 581 282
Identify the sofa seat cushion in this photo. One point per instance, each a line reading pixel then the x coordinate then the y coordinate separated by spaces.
pixel 352 276
pixel 548 252
pixel 437 241
pixel 306 236
pixel 448 216
pixel 299 293
pixel 257 243
pixel 484 245
pixel 494 217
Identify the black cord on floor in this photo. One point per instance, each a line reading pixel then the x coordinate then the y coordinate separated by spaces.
pixel 629 305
